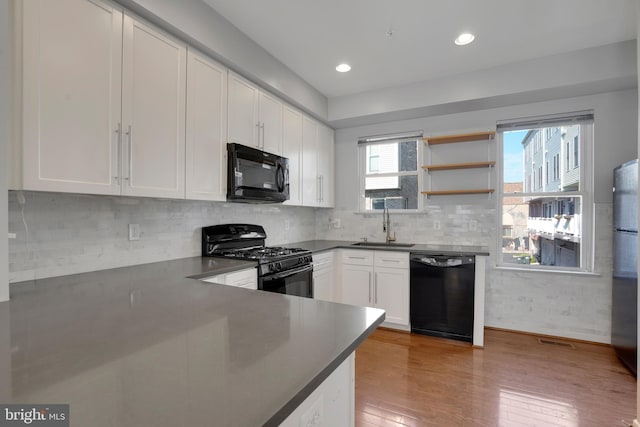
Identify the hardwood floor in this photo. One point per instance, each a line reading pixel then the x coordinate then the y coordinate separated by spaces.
pixel 414 380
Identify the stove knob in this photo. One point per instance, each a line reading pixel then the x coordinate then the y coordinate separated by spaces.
pixel 278 266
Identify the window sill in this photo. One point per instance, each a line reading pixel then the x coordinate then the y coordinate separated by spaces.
pixel 391 211
pixel 552 271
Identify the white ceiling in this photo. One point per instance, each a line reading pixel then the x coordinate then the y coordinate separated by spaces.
pixel 312 36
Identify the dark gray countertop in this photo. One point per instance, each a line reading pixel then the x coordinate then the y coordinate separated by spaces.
pixel 143 345
pixel 325 245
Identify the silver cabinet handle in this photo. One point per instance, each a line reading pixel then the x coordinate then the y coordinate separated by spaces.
pixel 321 188
pixel 390 260
pixel 375 288
pixel 117 159
pixel 356 257
pixel 129 151
pixel 318 189
pixel 369 286
pixel 262 128
pixel 258 126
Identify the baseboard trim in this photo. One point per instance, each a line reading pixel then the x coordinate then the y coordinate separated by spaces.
pixel 554 337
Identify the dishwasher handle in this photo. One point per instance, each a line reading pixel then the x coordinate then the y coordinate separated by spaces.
pixel 443 260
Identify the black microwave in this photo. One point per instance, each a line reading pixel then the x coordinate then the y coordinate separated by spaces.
pixel 255 176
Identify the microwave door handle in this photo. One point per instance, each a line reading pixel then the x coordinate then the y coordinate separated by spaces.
pixel 289 273
pixel 280 181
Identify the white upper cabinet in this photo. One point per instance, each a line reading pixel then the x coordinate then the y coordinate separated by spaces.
pixel 317 164
pixel 255 116
pixel 71 64
pixel 103 102
pixel 206 128
pixel 326 162
pixel 292 150
pixel 270 123
pixel 310 181
pixel 153 112
pixel 244 125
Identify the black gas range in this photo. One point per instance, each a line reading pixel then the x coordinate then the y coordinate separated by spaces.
pixel 283 270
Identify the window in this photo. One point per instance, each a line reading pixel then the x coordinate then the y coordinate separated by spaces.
pixel 389 172
pixel 546 173
pixel 547 222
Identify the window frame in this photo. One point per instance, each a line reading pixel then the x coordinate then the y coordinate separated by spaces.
pixel 585 192
pixel 362 171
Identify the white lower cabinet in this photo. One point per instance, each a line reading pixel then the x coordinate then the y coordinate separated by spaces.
pixel 324 283
pixel 332 403
pixel 378 279
pixel 247 278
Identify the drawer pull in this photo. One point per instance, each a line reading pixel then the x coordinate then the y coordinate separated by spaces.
pixel 390 260
pixel 356 257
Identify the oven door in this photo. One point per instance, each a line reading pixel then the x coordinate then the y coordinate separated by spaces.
pixel 297 281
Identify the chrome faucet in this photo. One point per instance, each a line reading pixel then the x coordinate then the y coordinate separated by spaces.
pixel 386 225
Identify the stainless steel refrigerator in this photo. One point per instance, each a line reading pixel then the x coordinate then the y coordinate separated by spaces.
pixel 624 320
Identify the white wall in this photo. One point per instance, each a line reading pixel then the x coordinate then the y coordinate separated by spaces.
pixel 201 26
pixel 73 233
pixel 4 146
pixel 584 72
pixel 555 304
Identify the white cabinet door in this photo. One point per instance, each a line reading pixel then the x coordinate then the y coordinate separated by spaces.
pixel 357 285
pixel 292 150
pixel 326 161
pixel 154 86
pixel 270 123
pixel 72 53
pixel 392 293
pixel 324 286
pixel 243 115
pixel 206 128
pixel 310 182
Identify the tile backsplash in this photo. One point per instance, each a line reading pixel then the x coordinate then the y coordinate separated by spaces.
pixel 59 234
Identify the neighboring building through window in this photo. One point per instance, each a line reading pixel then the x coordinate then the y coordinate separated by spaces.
pixel 389 177
pixel 547 221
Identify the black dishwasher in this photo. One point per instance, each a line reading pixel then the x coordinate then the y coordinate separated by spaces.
pixel 441 295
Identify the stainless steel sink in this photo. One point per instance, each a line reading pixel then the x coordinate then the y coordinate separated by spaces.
pixel 383 244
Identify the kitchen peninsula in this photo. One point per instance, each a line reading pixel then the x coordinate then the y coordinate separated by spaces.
pixel 149 345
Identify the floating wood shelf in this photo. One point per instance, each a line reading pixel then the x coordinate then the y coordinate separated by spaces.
pixel 457 192
pixel 451 166
pixel 463 137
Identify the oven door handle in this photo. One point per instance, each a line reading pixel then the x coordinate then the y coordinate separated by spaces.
pixel 288 273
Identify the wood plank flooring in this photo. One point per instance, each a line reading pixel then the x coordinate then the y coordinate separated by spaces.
pixel 414 380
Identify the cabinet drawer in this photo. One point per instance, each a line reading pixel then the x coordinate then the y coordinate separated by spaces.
pixel 391 259
pixel 357 257
pixel 323 260
pixel 244 278
pixel 220 279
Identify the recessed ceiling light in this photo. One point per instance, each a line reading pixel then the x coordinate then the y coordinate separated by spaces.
pixel 343 68
pixel 464 38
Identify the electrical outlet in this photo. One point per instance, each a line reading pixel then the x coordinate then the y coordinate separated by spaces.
pixel 436 225
pixel 313 416
pixel 287 225
pixel 134 231
pixel 473 225
pixel 12 235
